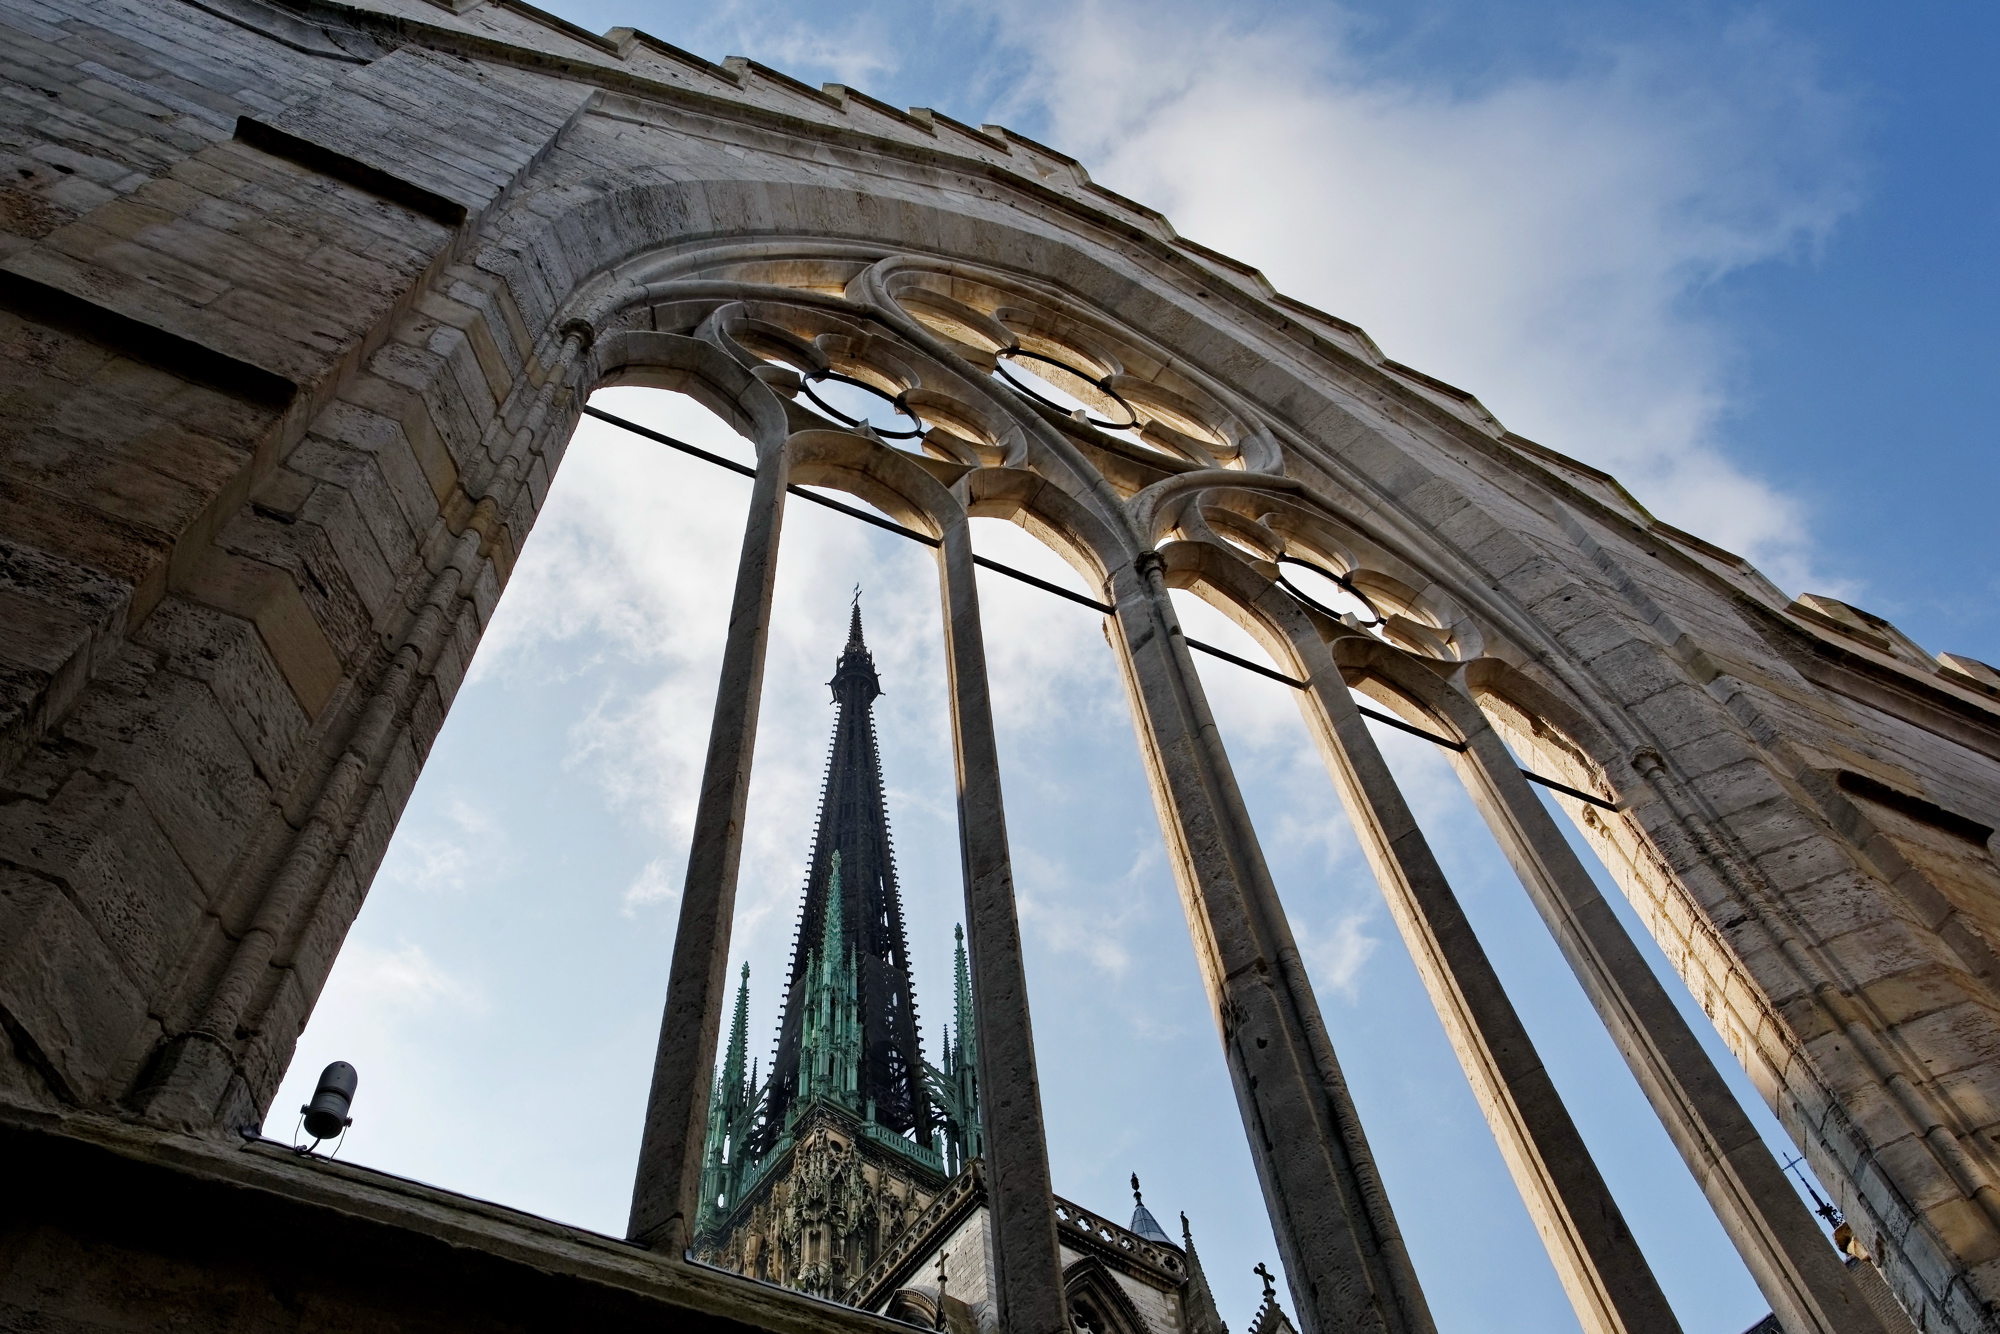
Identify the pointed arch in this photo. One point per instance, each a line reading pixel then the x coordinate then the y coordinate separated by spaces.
pixel 1096 1302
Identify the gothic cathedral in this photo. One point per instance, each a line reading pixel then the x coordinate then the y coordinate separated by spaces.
pixel 851 1169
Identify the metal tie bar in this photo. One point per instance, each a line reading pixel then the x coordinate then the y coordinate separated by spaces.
pixel 888 525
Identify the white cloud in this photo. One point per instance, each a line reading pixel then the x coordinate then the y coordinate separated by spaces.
pixel 1337 957
pixel 383 984
pixel 605 583
pixel 1048 664
pixel 1541 240
pixel 655 883
pixel 449 856
pixel 856 53
pixel 1096 923
pixel 426 862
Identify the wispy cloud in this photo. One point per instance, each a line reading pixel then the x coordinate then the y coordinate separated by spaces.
pixel 1095 923
pixel 1336 956
pixel 655 883
pixel 393 983
pixel 1543 240
pixel 451 855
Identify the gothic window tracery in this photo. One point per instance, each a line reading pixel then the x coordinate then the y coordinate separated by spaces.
pixel 998 397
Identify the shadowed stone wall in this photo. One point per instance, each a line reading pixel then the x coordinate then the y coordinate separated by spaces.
pixel 298 307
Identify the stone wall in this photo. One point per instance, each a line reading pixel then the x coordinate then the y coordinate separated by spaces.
pixel 215 1237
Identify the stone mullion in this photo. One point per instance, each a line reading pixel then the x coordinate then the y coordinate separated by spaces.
pixel 1799 1273
pixel 1027 1257
pixel 1609 1283
pixel 667 1185
pixel 1345 1260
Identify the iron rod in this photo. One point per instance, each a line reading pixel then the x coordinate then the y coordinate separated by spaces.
pixel 888 525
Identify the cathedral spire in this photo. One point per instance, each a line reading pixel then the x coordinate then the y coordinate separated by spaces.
pixel 738 1050
pixel 830 1038
pixel 732 1114
pixel 862 905
pixel 955 1086
pixel 855 683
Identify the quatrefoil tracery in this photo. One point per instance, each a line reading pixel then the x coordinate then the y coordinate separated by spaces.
pixel 1102 384
pixel 900 402
pixel 1348 586
pixel 1273 531
pixel 802 338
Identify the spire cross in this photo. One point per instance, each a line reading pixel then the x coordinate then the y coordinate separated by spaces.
pixel 1270 1287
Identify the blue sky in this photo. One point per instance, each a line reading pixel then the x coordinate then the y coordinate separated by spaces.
pixel 1741 256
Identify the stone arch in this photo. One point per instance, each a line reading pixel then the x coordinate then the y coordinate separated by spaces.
pixel 698 369
pixel 257 687
pixel 914 1306
pixel 1097 1302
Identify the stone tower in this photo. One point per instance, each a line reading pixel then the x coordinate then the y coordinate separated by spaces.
pixel 300 302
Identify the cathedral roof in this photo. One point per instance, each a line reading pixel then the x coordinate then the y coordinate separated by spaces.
pixel 1148 1226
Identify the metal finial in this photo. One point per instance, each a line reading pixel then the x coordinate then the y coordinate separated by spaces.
pixel 1833 1216
pixel 1136 1198
pixel 854 621
pixel 1270 1287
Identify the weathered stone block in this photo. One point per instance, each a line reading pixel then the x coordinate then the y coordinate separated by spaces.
pixel 61 987
pixel 175 745
pixel 99 840
pixel 1957 1037
pixel 225 653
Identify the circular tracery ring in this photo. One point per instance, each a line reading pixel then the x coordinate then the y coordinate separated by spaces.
pixel 898 402
pixel 1101 384
pixel 1346 584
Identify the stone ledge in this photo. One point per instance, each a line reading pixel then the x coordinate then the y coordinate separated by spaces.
pixel 105 1224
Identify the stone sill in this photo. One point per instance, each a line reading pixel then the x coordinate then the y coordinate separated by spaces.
pixel 104 1218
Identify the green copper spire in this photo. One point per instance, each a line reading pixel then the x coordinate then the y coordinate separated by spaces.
pixel 830 1036
pixel 955 1088
pixel 733 1107
pixel 739 1035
